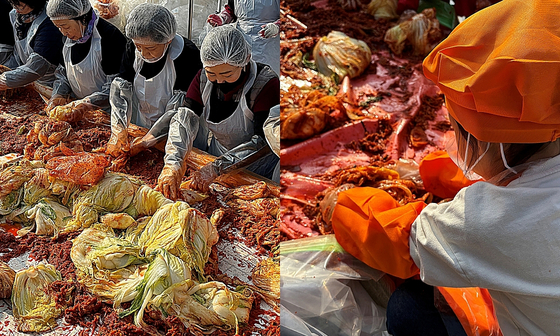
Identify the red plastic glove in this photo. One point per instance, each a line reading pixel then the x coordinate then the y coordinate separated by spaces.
pixel 225 16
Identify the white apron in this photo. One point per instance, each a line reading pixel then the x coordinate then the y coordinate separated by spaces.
pixel 22 49
pixel 86 77
pixel 154 93
pixel 237 128
pixel 251 15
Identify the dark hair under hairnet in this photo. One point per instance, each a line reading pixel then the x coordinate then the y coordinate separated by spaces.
pixel 151 22
pixel 225 44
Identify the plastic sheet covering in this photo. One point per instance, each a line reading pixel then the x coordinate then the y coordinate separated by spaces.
pixel 238 154
pixel 35 68
pixel 326 291
pixel 160 128
pixel 121 104
pixel 182 132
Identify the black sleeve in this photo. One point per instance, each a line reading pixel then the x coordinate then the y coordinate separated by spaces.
pixel 113 45
pixel 7 36
pixel 127 65
pixel 195 106
pixel 259 120
pixel 187 66
pixel 48 42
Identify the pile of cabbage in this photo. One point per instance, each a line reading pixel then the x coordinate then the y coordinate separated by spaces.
pixel 339 55
pixel 135 246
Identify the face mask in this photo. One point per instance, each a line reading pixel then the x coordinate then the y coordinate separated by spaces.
pixel 152 60
pixel 452 150
pixel 226 87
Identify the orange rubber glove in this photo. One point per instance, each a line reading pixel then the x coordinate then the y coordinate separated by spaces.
pixel 441 175
pixel 370 225
pixel 474 309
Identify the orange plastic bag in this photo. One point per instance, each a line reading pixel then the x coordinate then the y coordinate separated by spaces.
pixel 441 175
pixel 372 226
pixel 474 309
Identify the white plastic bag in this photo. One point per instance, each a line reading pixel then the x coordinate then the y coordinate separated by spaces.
pixel 323 293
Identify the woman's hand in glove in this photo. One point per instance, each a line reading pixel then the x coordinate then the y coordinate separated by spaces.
pixel 270 30
pixel 202 179
pixel 56 101
pixel 169 182
pixel 329 202
pixel 118 144
pixel 137 146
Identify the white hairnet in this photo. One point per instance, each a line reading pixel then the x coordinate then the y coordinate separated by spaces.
pixel 150 23
pixel 225 44
pixel 67 9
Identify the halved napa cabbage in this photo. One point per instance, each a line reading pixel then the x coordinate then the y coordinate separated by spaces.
pixel 113 194
pixel 206 306
pixel 104 261
pixel 7 275
pixel 183 231
pixel 33 308
pixel 163 272
pixel 48 218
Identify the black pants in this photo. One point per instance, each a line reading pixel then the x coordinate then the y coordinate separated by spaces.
pixel 411 312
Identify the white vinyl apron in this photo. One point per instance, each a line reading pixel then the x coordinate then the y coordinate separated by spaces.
pixel 87 76
pixel 154 93
pixel 251 15
pixel 234 130
pixel 22 47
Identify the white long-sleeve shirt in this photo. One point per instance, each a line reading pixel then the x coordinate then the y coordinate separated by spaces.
pixel 505 239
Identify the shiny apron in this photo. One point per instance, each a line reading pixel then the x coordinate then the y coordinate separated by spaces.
pixel 22 51
pixel 22 48
pixel 86 77
pixel 234 130
pixel 251 15
pixel 154 93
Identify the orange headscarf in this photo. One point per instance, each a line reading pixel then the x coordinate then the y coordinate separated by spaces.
pixel 500 72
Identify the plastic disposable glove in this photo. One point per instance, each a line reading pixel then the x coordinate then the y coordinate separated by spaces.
pixel 82 106
pixel 202 179
pixel 169 182
pixel 225 16
pixel 329 201
pixel 55 101
pixel 270 30
pixel 118 143
pixel 3 85
pixel 137 146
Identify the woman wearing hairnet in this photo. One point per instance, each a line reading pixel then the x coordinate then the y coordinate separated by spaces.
pixel 157 69
pixel 92 55
pixel 37 47
pixel 499 72
pixel 259 20
pixel 226 107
